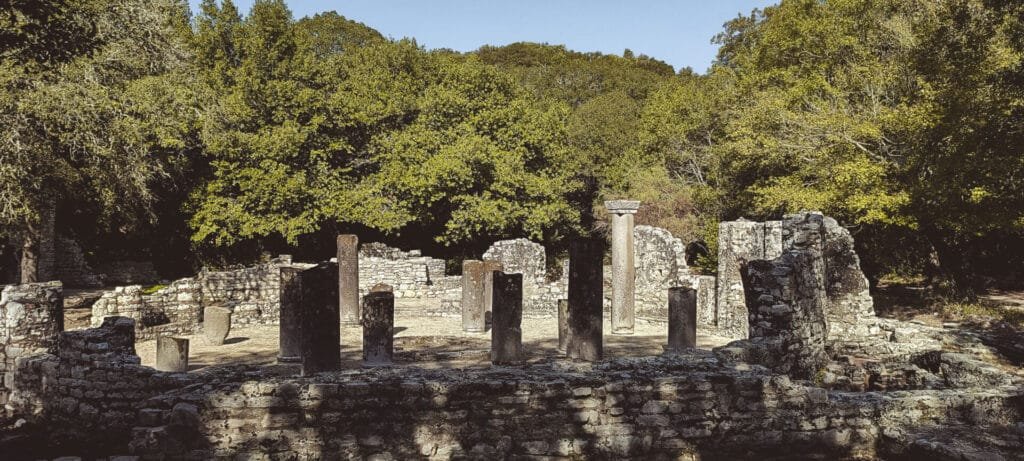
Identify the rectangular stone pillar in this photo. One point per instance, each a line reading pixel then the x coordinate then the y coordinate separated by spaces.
pixel 586 298
pixel 507 330
pixel 473 316
pixel 172 354
pixel 289 346
pixel 563 324
pixel 379 326
pixel 489 267
pixel 348 278
pixel 623 265
pixel 682 319
pixel 320 320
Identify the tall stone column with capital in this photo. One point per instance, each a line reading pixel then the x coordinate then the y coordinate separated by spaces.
pixel 623 268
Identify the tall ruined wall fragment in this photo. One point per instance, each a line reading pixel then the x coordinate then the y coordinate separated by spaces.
pixel 31 318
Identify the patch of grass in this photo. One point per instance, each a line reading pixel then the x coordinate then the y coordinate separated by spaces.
pixel 152 289
pixel 967 310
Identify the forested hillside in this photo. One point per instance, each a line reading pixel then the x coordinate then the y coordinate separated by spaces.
pixel 212 136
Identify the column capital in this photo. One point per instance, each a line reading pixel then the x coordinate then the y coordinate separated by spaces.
pixel 622 206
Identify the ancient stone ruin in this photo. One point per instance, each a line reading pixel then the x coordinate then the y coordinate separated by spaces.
pixel 779 357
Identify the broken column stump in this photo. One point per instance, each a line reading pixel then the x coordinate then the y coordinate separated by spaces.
pixel 473 318
pixel 586 297
pixel 682 319
pixel 379 326
pixel 310 325
pixel 348 278
pixel 216 325
pixel 171 354
pixel 489 267
pixel 563 324
pixel 289 349
pixel 507 319
pixel 320 319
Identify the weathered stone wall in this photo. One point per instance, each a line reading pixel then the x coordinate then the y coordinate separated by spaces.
pixel 638 409
pixel 411 274
pixel 738 242
pixel 661 264
pixel 849 308
pixel 786 298
pixel 851 312
pixel 252 293
pixel 31 317
pixel 660 260
pixel 540 292
pixel 94 388
pixel 173 310
pixel 72 268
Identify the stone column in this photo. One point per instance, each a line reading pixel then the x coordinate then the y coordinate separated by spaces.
pixel 563 324
pixel 623 266
pixel 507 330
pixel 379 326
pixel 473 317
pixel 348 278
pixel 586 299
pixel 682 319
pixel 289 349
pixel 171 354
pixel 489 267
pixel 320 319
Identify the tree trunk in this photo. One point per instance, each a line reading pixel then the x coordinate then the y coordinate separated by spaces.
pixel 30 255
pixel 948 272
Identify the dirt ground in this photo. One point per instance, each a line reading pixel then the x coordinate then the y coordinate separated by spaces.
pixel 429 342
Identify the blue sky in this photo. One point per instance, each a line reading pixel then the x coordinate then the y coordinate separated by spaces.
pixel 678 32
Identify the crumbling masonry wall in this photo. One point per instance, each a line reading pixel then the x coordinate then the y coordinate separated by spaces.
pixel 849 310
pixel 647 408
pixel 786 299
pixel 521 256
pixel 31 317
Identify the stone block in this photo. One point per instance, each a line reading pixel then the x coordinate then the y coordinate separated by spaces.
pixel 216 325
pixel 172 354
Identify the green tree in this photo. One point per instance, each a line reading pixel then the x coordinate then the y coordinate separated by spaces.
pixel 77 129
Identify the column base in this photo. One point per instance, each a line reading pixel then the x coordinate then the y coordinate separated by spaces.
pixel 474 331
pixel 292 359
pixel 622 331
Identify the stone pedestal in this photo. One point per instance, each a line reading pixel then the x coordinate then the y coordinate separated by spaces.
pixel 473 317
pixel 320 320
pixel 348 278
pixel 289 346
pixel 682 319
pixel 563 324
pixel 379 326
pixel 586 296
pixel 506 330
pixel 216 325
pixel 171 354
pixel 623 265
pixel 489 267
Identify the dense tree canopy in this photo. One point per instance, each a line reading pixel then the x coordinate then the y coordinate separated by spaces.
pixel 903 119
